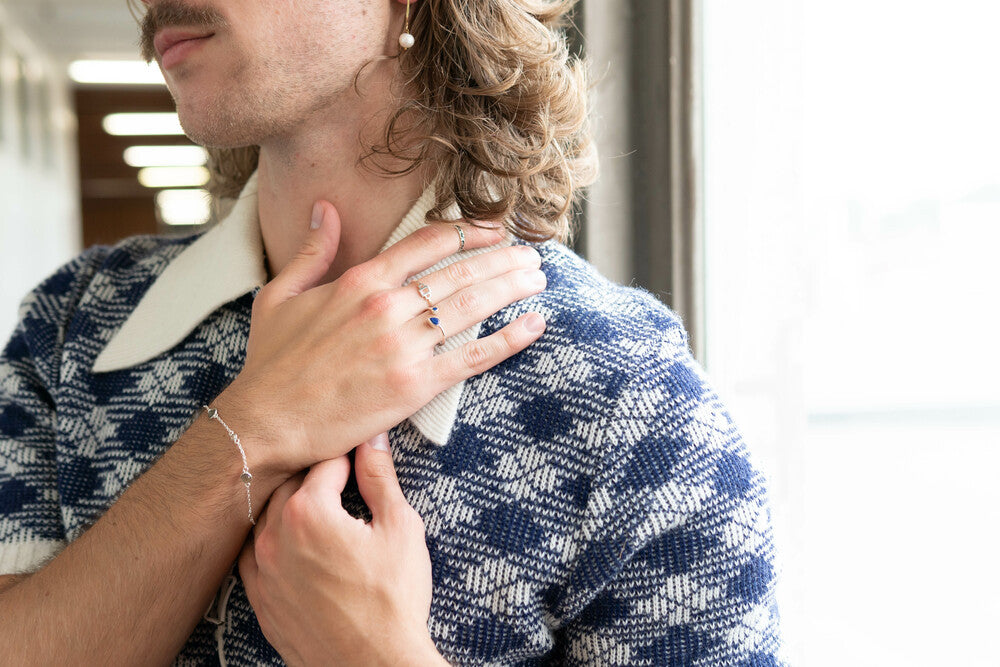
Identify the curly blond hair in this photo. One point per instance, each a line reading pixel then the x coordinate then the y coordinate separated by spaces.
pixel 498 103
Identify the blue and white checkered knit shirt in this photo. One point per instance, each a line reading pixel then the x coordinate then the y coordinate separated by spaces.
pixel 590 501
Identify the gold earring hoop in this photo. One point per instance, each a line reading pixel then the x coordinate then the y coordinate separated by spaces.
pixel 406 40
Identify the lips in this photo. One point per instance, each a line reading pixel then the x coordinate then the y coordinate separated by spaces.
pixel 168 39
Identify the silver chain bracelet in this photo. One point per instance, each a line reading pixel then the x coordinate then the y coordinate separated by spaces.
pixel 246 477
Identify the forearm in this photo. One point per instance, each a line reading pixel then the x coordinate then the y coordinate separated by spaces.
pixel 10 580
pixel 132 588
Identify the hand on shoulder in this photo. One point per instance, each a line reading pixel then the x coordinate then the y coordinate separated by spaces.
pixel 330 365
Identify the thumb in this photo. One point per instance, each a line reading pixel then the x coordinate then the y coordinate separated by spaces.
pixel 314 257
pixel 376 477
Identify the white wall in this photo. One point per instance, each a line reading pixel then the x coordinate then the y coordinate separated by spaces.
pixel 39 203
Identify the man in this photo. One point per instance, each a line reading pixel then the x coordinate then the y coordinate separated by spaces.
pixel 586 498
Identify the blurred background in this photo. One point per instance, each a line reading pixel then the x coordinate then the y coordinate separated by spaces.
pixel 813 186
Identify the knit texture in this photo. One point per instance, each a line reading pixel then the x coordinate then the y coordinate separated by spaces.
pixel 595 503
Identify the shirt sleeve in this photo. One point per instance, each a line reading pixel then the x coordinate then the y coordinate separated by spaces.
pixel 677 564
pixel 30 524
pixel 31 527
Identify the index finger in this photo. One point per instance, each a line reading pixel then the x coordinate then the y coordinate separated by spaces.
pixel 429 245
pixel 277 501
pixel 327 479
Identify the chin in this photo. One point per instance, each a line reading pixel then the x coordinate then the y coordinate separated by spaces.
pixel 216 126
pixel 210 139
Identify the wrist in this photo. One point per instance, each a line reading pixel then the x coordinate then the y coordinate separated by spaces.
pixel 264 460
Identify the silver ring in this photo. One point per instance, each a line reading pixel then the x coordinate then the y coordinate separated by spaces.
pixel 435 321
pixel 461 238
pixel 425 293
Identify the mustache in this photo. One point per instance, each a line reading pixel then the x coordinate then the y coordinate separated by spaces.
pixel 170 13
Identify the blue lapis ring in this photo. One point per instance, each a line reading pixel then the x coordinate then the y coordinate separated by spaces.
pixel 435 321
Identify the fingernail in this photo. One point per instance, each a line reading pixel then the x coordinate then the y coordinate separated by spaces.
pixel 538 279
pixel 527 251
pixel 534 323
pixel 317 217
pixel 380 443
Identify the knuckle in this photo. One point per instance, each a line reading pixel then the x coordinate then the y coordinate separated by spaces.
pixel 379 303
pixel 355 277
pixel 404 379
pixel 380 469
pixel 475 355
pixel 510 339
pixel 311 248
pixel 460 273
pixel 299 513
pixel 466 302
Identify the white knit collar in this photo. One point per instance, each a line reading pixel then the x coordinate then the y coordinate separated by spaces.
pixel 227 262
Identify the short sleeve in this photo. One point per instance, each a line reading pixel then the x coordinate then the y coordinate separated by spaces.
pixel 31 528
pixel 677 564
pixel 30 523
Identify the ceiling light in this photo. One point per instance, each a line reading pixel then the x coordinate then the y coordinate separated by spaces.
pixel 173 177
pixel 184 207
pixel 115 72
pixel 139 124
pixel 166 156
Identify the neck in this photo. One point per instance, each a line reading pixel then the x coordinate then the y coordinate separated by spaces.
pixel 321 162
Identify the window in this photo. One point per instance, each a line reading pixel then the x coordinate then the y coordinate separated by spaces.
pixel 852 226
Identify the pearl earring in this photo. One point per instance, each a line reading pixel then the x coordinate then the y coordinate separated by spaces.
pixel 406 40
